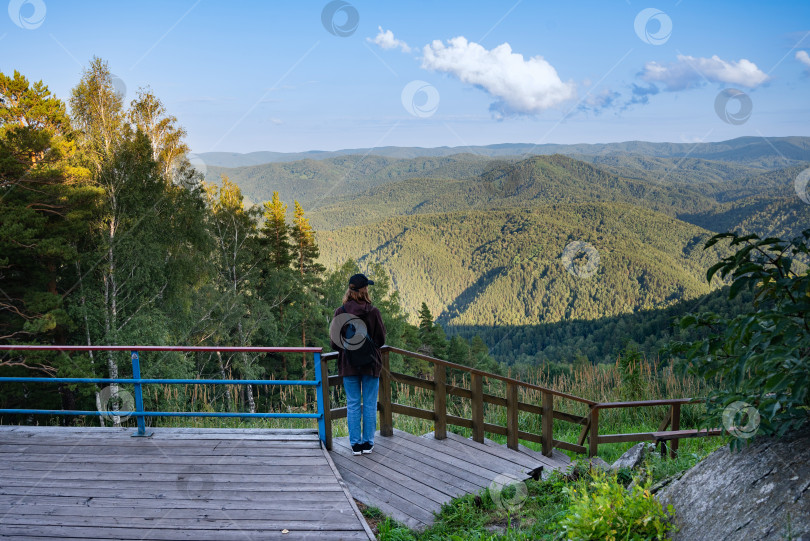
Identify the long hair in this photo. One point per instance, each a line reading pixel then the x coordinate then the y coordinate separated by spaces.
pixel 357 295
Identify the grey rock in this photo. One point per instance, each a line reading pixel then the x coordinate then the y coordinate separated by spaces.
pixel 657 487
pixel 761 492
pixel 631 458
pixel 599 464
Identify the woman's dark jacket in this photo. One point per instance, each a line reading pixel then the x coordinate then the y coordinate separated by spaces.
pixel 376 331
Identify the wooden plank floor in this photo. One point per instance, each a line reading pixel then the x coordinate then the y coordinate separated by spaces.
pixel 190 484
pixel 409 477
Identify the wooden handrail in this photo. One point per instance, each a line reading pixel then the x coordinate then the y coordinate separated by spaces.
pixel 488 375
pixel 642 403
pixel 441 418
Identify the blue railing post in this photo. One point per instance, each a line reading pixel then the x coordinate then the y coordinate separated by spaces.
pixel 136 374
pixel 319 396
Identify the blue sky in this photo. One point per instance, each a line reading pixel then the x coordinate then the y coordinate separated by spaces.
pixel 248 76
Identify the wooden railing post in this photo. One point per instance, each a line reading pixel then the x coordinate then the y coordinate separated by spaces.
pixel 511 415
pixel 477 388
pixel 665 423
pixel 386 416
pixel 593 440
pixel 676 425
pixel 440 401
pixel 547 427
pixel 327 404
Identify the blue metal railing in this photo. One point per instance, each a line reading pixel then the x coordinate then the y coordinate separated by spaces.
pixel 139 412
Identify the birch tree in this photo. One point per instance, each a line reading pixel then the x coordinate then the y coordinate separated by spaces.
pixel 148 114
pixel 234 229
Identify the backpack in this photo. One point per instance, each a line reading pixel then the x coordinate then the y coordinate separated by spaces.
pixel 363 355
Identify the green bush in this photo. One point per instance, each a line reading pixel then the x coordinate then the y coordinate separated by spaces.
pixel 759 361
pixel 603 509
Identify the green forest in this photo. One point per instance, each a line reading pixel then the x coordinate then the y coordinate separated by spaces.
pixel 109 237
pixel 486 253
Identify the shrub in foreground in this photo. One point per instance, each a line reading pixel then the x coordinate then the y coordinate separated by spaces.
pixel 604 509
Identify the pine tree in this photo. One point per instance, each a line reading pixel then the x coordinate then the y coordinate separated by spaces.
pixel 431 337
pixel 277 285
pixel 425 320
pixel 276 233
pixel 458 351
pixel 47 205
pixel 305 250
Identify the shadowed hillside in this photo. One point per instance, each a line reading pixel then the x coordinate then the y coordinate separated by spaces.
pixel 504 267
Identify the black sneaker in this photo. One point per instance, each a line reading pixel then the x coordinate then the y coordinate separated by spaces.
pixel 366 447
pixel 357 449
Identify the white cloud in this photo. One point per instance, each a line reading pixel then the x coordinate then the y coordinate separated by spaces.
pixel 520 86
pixel 804 58
pixel 386 40
pixel 689 72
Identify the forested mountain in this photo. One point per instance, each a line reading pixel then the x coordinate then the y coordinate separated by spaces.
pixel 480 241
pixel 529 182
pixel 754 151
pixel 765 204
pixel 596 340
pixel 456 245
pixel 505 267
pixel 687 170
pixel 316 182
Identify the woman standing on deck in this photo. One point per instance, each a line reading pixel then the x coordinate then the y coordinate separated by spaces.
pixel 359 361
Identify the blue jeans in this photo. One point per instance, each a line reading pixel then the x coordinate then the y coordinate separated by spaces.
pixel 367 386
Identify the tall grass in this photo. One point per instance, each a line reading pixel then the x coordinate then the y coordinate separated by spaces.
pixel 632 377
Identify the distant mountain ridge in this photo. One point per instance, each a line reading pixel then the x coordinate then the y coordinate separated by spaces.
pixel 767 151
pixel 530 182
pixel 480 237
pixel 314 183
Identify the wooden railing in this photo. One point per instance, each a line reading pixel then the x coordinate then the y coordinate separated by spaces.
pixel 476 423
pixel 662 435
